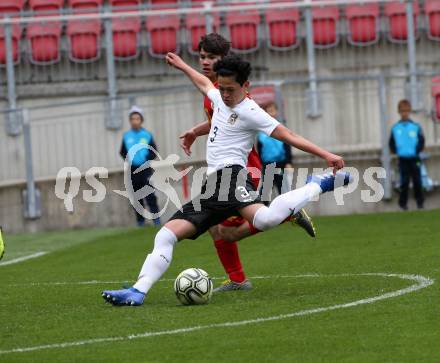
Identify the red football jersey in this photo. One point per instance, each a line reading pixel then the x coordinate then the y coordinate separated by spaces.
pixel 254 160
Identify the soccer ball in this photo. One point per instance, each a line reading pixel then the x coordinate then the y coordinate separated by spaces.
pixel 193 287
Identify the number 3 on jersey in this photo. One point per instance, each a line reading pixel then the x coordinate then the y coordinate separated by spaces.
pixel 215 129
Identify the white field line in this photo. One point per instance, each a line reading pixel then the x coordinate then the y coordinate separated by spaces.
pixel 23 258
pixel 421 282
pixel 98 282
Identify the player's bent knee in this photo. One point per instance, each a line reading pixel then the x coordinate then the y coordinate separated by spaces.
pixel 214 232
pixel 181 228
pixel 265 219
pixel 227 233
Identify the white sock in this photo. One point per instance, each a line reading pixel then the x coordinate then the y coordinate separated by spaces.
pixel 284 205
pixel 158 261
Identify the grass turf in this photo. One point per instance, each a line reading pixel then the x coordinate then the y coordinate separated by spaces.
pixel 34 311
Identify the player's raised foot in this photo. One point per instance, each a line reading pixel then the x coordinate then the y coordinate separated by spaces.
pixel 327 182
pixel 2 245
pixel 303 220
pixel 130 297
pixel 229 285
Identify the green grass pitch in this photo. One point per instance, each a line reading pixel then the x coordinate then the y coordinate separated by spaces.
pixel 53 303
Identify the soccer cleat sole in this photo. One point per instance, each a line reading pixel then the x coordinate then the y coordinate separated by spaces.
pixel 303 220
pixel 234 286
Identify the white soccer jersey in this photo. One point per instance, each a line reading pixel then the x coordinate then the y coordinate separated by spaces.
pixel 233 131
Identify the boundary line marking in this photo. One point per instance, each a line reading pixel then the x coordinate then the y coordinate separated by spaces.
pixel 98 282
pixel 23 258
pixel 421 282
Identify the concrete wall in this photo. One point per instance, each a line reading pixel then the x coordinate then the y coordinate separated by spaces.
pixel 115 210
pixel 75 134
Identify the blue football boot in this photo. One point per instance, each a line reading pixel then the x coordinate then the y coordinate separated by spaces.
pixel 131 297
pixel 327 181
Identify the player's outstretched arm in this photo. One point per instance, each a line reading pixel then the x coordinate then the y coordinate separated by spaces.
pixel 285 135
pixel 200 81
pixel 189 136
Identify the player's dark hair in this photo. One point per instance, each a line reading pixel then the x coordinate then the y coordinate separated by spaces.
pixel 403 103
pixel 215 44
pixel 233 66
pixel 136 113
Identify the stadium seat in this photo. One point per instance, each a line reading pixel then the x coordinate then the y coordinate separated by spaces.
pixel 282 28
pixel 46 5
pixel 325 21
pixel 163 30
pixel 10 7
pixel 125 31
pixel 16 36
pixel 243 29
pixel 124 4
pixel 432 12
pixel 44 38
pixel 85 4
pixel 396 14
pixel 435 90
pixel 84 35
pixel 263 94
pixel 164 4
pixel 363 24
pixel 196 28
pixel 195 25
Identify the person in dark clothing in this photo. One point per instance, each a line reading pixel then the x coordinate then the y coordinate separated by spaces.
pixel 273 151
pixel 138 135
pixel 407 141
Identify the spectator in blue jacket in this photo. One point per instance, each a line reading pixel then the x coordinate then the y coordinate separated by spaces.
pixel 273 151
pixel 407 141
pixel 138 135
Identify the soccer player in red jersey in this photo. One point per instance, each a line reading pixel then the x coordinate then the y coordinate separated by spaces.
pixel 212 48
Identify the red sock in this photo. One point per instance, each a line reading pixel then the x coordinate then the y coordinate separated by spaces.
pixel 253 230
pixel 230 259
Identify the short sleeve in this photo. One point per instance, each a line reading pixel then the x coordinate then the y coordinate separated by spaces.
pixel 260 120
pixel 214 95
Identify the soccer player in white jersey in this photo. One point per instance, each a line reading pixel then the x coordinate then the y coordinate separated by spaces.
pixel 228 189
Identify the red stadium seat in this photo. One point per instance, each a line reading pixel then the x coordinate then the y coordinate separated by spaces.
pixel 44 38
pixel 263 95
pixel 85 4
pixel 10 7
pixel 396 14
pixel 363 23
pixel 164 4
pixel 45 42
pixel 125 31
pixel 282 28
pixel 325 21
pixel 16 36
pixel 196 27
pixel 243 29
pixel 45 5
pixel 124 3
pixel 84 38
pixel 432 11
pixel 163 30
pixel 84 35
pixel 435 90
